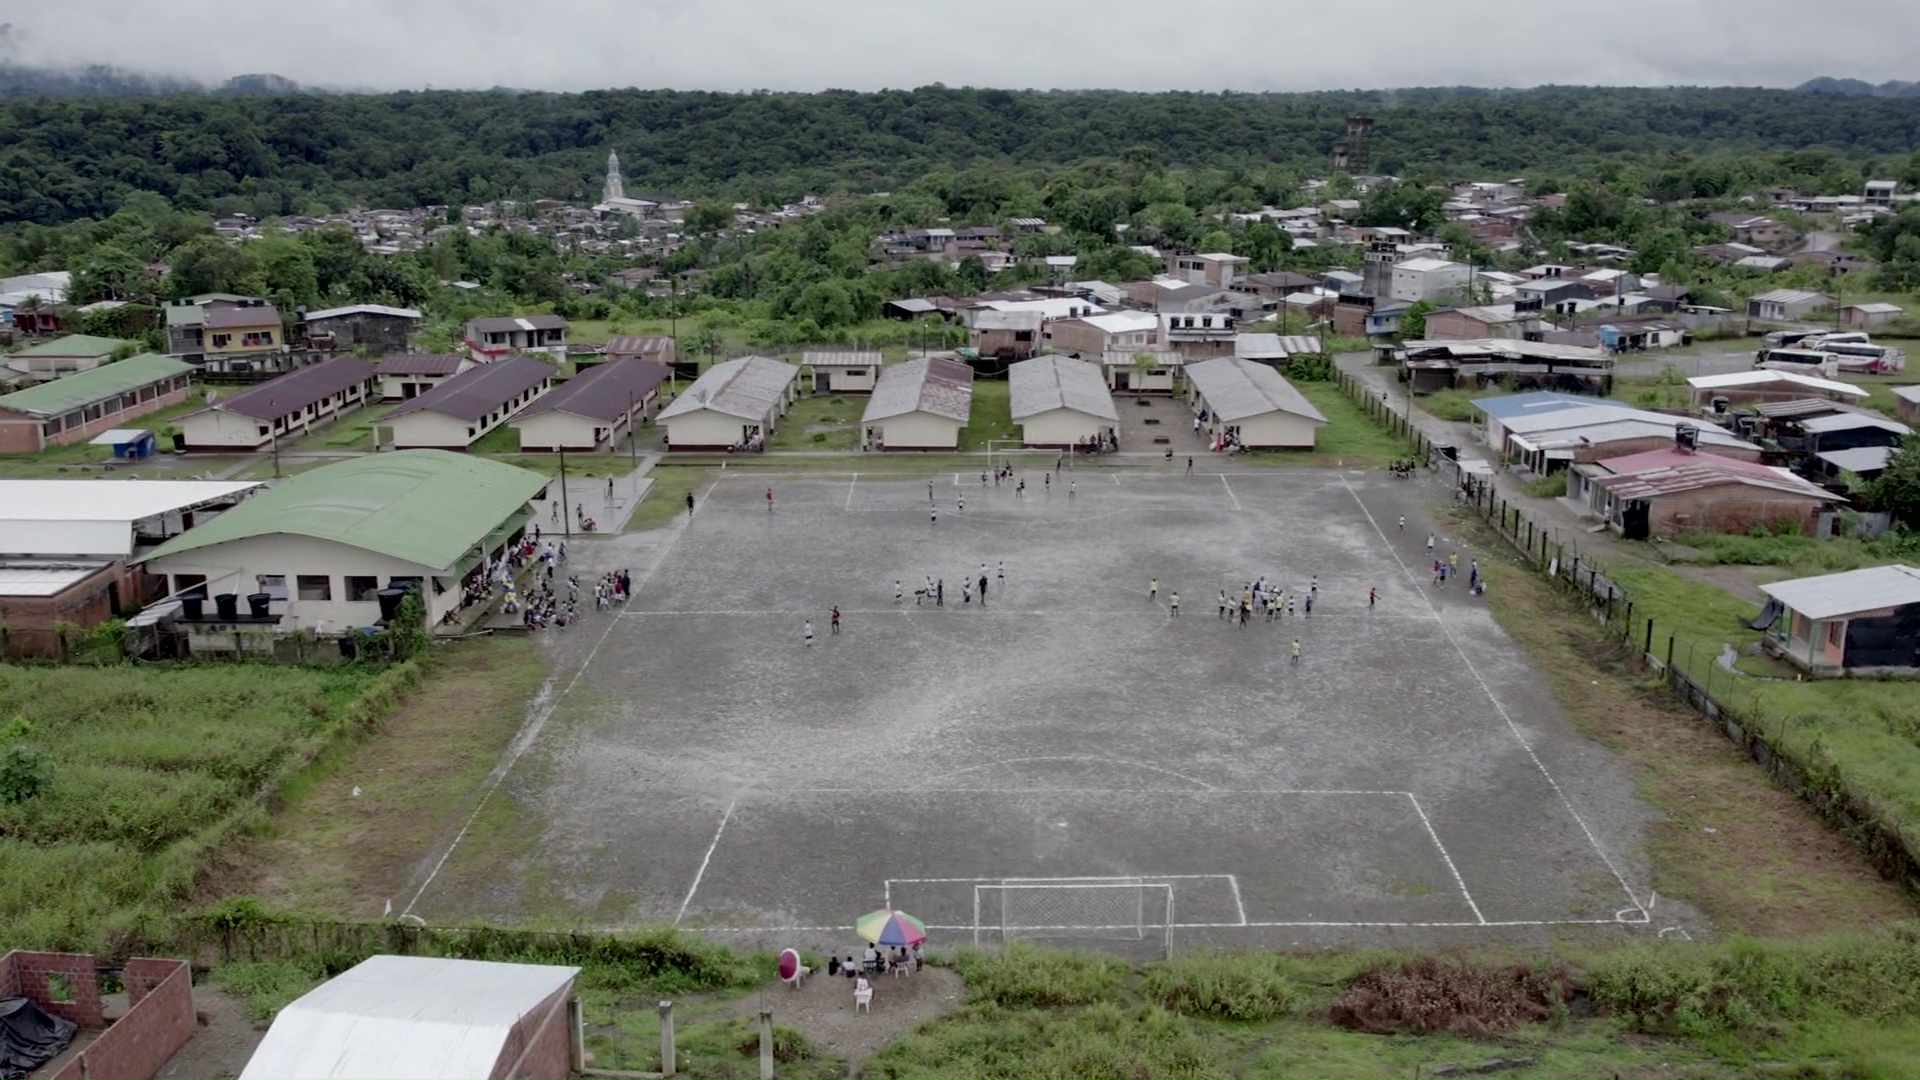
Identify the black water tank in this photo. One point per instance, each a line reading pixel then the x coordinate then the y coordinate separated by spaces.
pixel 390 603
pixel 228 605
pixel 191 604
pixel 257 604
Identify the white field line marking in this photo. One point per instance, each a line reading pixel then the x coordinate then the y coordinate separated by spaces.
pixel 705 859
pixel 1446 858
pixel 1474 670
pixel 1297 924
pixel 1230 494
pixel 1095 760
pixel 1065 883
pixel 529 734
pixel 1116 478
pixel 850 486
pixel 1239 905
pixel 998 609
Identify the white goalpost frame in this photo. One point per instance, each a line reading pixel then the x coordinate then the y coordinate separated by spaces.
pixel 1106 909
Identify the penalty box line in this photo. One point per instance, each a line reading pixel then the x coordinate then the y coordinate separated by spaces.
pixel 1232 880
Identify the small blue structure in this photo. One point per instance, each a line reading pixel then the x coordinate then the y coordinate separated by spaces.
pixel 129 444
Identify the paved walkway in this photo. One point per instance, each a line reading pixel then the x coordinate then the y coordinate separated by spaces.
pixel 608 501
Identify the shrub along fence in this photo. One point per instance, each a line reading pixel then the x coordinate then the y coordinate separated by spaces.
pixel 1687 662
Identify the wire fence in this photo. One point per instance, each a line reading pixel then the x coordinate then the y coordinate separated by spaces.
pixel 1693 665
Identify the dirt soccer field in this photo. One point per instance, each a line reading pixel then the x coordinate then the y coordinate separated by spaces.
pixel 1177 780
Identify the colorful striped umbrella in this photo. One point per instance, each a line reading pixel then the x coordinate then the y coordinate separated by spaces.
pixel 889 927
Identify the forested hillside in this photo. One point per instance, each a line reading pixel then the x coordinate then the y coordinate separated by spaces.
pixel 67 158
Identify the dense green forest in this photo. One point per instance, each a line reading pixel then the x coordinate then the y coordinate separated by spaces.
pixel 63 158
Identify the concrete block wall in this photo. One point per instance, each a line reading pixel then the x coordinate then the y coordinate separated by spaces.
pixel 541 1044
pixel 158 1024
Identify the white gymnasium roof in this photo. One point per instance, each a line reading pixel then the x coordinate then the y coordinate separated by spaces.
pixel 95 517
pixel 405 1016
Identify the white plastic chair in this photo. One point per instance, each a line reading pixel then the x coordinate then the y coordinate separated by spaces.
pixel 792 971
pixel 862 996
pixel 902 968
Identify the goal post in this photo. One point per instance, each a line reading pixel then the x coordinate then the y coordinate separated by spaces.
pixel 1074 909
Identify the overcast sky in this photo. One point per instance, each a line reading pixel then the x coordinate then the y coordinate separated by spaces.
pixel 869 44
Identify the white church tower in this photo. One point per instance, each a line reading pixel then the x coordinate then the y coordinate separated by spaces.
pixel 614 190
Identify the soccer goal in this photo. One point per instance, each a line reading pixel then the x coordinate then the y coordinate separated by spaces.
pixel 1074 909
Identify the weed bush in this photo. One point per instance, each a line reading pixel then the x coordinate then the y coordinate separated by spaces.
pixel 1228 986
pixel 1431 994
pixel 1106 1039
pixel 1021 976
pixel 1548 487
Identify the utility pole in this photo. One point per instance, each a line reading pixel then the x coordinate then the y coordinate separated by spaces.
pixel 274 434
pixel 633 435
pixel 566 512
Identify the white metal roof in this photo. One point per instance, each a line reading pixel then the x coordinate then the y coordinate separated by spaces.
pixel 1236 388
pixel 1907 393
pixel 1422 266
pixel 928 384
pixel 405 1016
pixel 1788 296
pixel 43 579
pixel 1123 322
pixel 1831 595
pixel 362 309
pixel 1259 346
pixel 118 436
pixel 1850 421
pixel 1067 307
pixel 1045 383
pixel 1774 378
pixel 94 517
pixel 1877 308
pixel 1858 459
pixel 747 387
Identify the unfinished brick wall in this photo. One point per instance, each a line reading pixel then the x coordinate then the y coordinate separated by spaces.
pixel 541 1044
pixel 27 976
pixel 158 1024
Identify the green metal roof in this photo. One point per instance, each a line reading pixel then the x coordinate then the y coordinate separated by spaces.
pixel 426 507
pixel 74 345
pixel 83 388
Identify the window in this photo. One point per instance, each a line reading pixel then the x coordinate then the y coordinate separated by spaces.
pixel 274 585
pixel 197 583
pixel 51 427
pixel 315 586
pixel 257 337
pixel 1836 632
pixel 362 588
pixel 220 340
pixel 856 373
pixel 262 431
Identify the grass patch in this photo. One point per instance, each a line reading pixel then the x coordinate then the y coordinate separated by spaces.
pixel 501 440
pixel 1798 555
pixel 1022 976
pixel 821 422
pixel 1250 985
pixel 666 498
pixel 1350 433
pixel 1453 405
pixel 595 465
pixel 145 761
pixel 350 829
pixel 352 431
pixel 992 417
pixel 1551 486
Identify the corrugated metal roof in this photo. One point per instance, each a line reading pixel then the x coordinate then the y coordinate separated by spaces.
pixel 95 517
pixel 480 390
pixel 1050 382
pixel 1123 322
pixel 1770 377
pixel 240 317
pixel 747 387
pixel 1509 349
pixel 1236 388
pixel 509 323
pixel 1858 459
pixel 840 359
pixel 930 385
pixel 1259 346
pixel 603 392
pixel 1787 296
pixel 405 1016
pixel 287 394
pixel 83 345
pixel 422 364
pixel 1130 357
pixel 83 388
pixel 44 579
pixel 1907 393
pixel 1787 410
pixel 638 345
pixel 426 507
pixel 1832 595
pixel 362 309
pixel 1533 403
pixel 1009 320
pixel 1704 471
pixel 1851 421
pixel 915 304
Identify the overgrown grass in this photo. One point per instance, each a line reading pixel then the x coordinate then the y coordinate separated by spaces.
pixel 145 761
pixel 1021 976
pixel 991 418
pixel 1349 433
pixel 821 422
pixel 1799 555
pixel 1251 985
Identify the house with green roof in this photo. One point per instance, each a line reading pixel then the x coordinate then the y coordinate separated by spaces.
pixel 64 355
pixel 80 406
pixel 316 551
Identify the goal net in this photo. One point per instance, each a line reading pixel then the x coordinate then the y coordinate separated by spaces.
pixel 1085 909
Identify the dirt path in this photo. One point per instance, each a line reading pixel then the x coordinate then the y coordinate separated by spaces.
pixel 222 1042
pixel 823 1008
